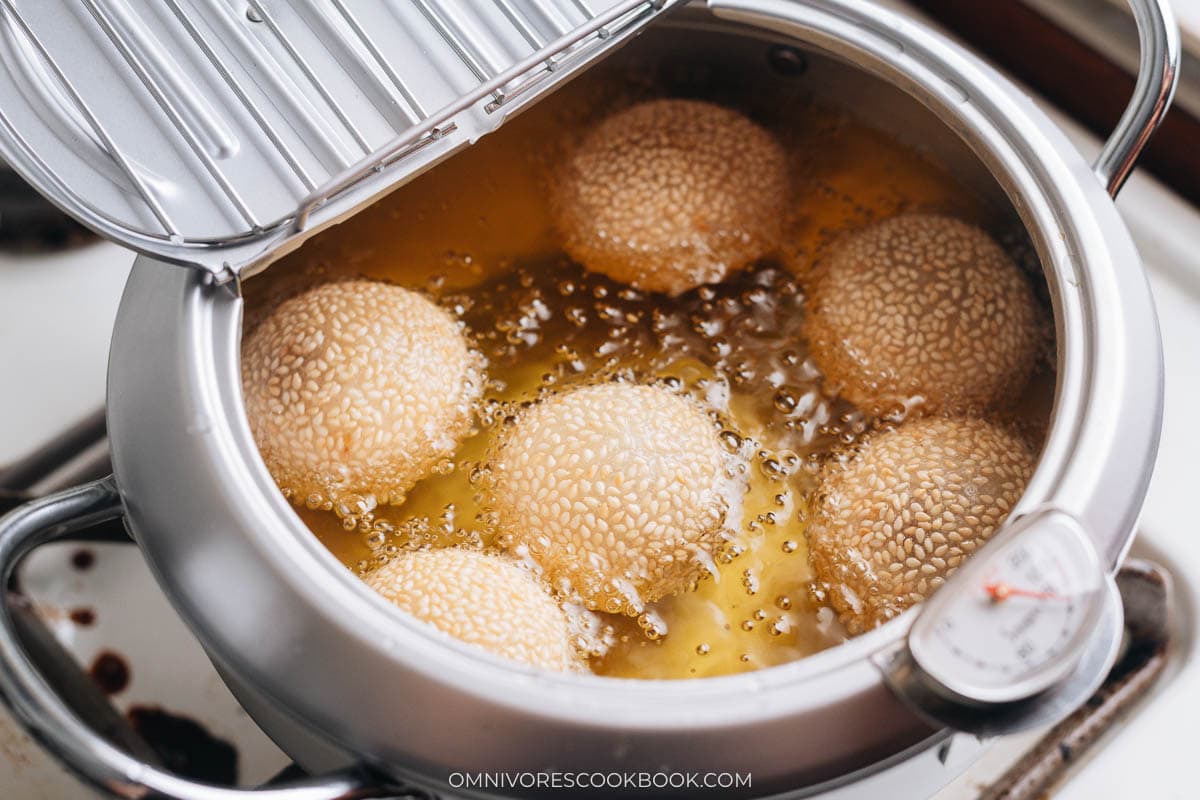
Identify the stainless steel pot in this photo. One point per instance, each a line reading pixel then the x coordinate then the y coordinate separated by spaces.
pixel 337 676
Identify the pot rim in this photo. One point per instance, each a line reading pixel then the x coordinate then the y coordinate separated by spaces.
pixel 1101 306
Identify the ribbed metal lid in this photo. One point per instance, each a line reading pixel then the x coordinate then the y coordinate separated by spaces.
pixel 209 132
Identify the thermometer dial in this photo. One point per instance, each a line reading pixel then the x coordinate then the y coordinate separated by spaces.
pixel 1016 617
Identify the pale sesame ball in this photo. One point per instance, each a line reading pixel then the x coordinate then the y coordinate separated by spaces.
pixel 671 194
pixel 618 491
pixel 485 600
pixel 895 519
pixel 357 388
pixel 922 306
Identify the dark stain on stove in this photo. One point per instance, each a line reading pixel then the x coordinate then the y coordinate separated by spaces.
pixel 83 559
pixel 185 746
pixel 110 672
pixel 83 617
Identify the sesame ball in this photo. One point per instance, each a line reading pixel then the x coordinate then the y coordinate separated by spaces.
pixel 486 600
pixel 898 517
pixel 357 388
pixel 671 194
pixel 618 491
pixel 922 307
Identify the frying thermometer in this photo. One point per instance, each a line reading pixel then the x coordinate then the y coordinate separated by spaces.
pixel 1024 631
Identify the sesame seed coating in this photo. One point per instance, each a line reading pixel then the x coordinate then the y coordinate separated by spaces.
pixel 922 306
pixel 357 387
pixel 484 600
pixel 618 491
pixel 896 518
pixel 671 194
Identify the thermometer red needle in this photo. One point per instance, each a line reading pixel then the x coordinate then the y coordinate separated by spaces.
pixel 1001 591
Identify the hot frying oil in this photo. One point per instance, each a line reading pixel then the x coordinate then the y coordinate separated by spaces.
pixel 475 233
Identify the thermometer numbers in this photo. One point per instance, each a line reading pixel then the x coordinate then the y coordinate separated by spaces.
pixel 1010 637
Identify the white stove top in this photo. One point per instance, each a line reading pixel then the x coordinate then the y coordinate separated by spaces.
pixel 56 315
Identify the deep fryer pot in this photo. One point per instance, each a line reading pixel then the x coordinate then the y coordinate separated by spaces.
pixel 345 682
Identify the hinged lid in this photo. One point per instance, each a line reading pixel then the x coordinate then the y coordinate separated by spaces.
pixel 209 132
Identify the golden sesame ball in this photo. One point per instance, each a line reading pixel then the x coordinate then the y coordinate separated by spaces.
pixel 357 388
pixel 671 194
pixel 896 518
pixel 619 492
pixel 922 306
pixel 484 600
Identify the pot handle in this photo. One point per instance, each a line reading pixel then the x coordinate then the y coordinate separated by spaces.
pixel 46 717
pixel 1158 75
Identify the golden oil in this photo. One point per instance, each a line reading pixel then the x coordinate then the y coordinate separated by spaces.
pixel 475 233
